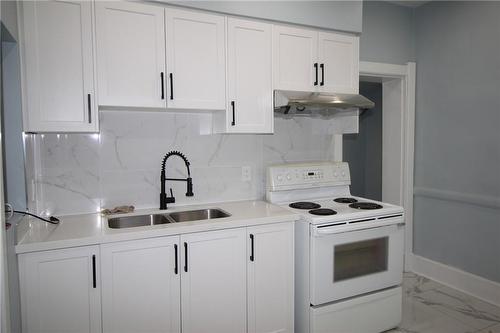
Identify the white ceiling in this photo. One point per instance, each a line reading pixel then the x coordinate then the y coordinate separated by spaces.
pixel 409 3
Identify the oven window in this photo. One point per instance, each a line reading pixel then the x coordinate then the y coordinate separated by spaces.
pixel 357 259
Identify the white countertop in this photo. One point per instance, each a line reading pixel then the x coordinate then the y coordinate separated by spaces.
pixel 92 229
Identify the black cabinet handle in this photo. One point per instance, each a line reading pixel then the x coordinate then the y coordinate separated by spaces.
pixel 252 254
pixel 94 276
pixel 89 108
pixel 322 66
pixel 171 76
pixel 234 119
pixel 316 70
pixel 162 85
pixel 185 257
pixel 176 267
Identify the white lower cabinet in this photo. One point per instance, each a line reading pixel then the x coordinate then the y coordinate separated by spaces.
pixel 213 281
pixel 224 281
pixel 141 286
pixel 60 291
pixel 270 278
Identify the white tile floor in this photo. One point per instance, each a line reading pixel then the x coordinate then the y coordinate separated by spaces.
pixel 430 307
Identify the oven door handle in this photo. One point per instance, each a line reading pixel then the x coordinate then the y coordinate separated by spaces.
pixel 334 229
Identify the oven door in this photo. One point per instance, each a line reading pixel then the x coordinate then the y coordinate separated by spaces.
pixel 351 263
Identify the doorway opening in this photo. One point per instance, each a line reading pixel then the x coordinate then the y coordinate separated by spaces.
pixel 363 150
pixel 386 138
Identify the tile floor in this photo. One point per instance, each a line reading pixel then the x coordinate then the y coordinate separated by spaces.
pixel 430 307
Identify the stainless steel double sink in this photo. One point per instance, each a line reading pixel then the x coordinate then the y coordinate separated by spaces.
pixel 153 219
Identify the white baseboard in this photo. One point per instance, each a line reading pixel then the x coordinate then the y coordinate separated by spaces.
pixel 486 290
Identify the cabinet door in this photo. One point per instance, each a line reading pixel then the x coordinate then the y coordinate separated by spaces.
pixel 130 54
pixel 295 55
pixel 60 291
pixel 250 95
pixel 141 286
pixel 270 278
pixel 213 282
pixel 195 60
pixel 339 63
pixel 58 56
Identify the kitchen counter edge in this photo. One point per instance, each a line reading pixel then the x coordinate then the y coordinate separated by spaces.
pixel 92 229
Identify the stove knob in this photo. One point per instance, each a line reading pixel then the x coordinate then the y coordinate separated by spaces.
pixel 289 177
pixel 343 173
pixel 335 174
pixel 280 178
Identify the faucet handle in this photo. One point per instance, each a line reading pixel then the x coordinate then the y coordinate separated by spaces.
pixel 171 198
pixel 189 192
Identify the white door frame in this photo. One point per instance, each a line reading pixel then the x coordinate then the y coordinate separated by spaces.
pixel 406 75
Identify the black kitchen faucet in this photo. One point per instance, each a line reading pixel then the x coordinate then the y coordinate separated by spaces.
pixel 164 200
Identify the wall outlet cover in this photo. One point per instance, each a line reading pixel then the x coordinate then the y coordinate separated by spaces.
pixel 246 173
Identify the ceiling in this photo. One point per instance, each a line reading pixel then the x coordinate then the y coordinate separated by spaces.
pixel 409 3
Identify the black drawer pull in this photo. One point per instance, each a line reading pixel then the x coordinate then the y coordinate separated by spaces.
pixel 89 108
pixel 162 86
pixel 234 119
pixel 322 66
pixel 94 274
pixel 252 253
pixel 185 257
pixel 171 76
pixel 176 267
pixel 316 71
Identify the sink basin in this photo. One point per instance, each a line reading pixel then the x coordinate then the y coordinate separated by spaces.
pixel 153 219
pixel 200 214
pixel 137 221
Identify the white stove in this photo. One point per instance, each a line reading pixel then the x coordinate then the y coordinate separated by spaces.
pixel 325 186
pixel 348 250
pixel 349 211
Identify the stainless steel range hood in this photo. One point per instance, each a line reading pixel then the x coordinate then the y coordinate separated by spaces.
pixel 298 103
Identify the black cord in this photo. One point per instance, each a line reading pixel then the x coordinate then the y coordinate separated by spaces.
pixel 52 219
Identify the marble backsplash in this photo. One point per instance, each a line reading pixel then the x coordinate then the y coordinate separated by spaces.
pixel 81 173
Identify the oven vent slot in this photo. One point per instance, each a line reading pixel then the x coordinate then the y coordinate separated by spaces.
pixel 389 217
pixel 331 225
pixel 357 221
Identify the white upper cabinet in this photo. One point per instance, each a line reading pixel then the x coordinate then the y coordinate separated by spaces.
pixel 130 54
pixel 141 286
pixel 295 55
pixel 213 284
pixel 249 64
pixel 195 60
pixel 270 278
pixel 60 291
pixel 58 66
pixel 307 60
pixel 339 63
pixel 148 56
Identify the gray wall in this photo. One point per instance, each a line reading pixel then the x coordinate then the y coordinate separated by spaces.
pixel 337 15
pixel 9 18
pixel 14 177
pixel 388 33
pixel 363 151
pixel 14 180
pixel 457 147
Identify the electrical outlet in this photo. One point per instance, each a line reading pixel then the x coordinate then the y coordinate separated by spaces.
pixel 246 173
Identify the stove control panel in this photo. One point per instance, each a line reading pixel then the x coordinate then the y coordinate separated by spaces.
pixel 306 175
